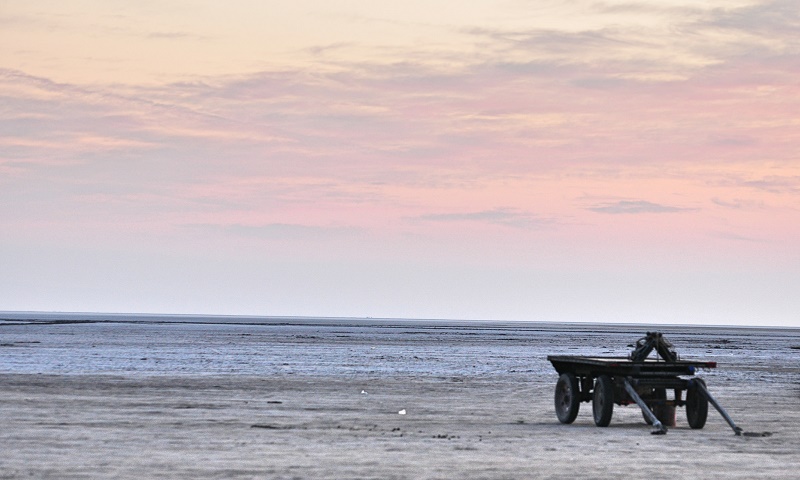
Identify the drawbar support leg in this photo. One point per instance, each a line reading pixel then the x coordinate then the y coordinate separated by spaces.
pixel 660 429
pixel 702 388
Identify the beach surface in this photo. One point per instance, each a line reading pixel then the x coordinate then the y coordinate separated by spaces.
pixel 106 400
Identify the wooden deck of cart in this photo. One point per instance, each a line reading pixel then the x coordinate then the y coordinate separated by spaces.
pixel 622 366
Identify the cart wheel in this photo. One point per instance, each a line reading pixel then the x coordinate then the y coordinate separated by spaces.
pixel 658 394
pixel 603 401
pixel 567 398
pixel 696 405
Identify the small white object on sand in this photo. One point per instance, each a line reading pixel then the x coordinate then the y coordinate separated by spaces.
pixel 402 412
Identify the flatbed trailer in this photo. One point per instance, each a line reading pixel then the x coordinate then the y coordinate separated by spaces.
pixel 606 381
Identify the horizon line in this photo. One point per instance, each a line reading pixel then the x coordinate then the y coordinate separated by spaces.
pixel 35 317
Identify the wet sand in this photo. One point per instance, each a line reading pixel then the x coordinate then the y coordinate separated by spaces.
pixel 84 426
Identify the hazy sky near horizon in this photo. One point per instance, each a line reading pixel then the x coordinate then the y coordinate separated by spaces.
pixel 633 161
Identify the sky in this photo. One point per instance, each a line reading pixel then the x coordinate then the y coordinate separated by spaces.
pixel 583 161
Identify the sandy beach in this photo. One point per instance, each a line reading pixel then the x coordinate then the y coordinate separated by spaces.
pixel 349 426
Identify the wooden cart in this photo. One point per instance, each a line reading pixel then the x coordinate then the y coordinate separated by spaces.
pixel 606 381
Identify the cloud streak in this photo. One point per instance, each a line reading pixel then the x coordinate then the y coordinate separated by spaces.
pixel 635 207
pixel 279 231
pixel 508 217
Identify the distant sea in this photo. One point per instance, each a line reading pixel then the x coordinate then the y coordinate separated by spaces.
pixel 158 345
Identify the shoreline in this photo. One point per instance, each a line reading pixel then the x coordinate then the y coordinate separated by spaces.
pixel 44 318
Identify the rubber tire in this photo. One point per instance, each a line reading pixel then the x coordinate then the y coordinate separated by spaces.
pixel 658 394
pixel 603 401
pixel 696 405
pixel 567 398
